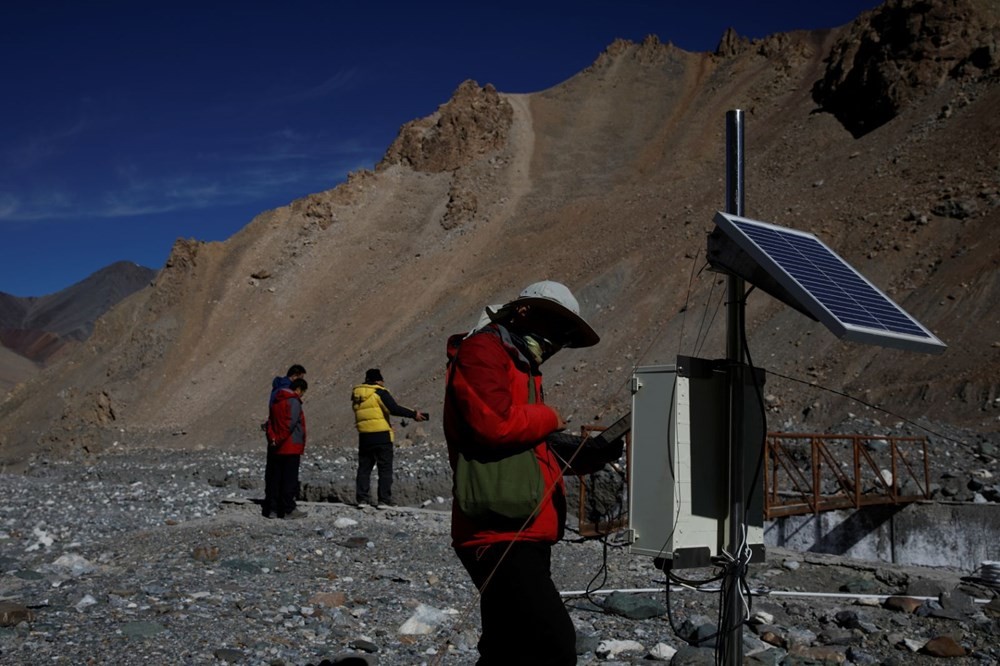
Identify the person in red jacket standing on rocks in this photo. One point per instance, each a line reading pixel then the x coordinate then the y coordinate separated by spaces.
pixel 286 441
pixel 494 410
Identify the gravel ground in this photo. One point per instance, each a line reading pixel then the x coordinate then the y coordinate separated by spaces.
pixel 163 557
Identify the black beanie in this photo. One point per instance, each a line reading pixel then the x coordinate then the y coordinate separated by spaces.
pixel 373 375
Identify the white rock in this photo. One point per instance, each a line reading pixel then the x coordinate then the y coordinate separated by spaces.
pixel 425 620
pixel 343 521
pixel 611 649
pixel 86 602
pixel 662 652
pixel 760 617
pixel 42 539
pixel 74 564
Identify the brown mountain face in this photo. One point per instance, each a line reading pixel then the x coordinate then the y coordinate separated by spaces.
pixel 881 137
pixel 35 330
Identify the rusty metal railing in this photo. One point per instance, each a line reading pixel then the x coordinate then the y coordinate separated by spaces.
pixel 588 526
pixel 809 473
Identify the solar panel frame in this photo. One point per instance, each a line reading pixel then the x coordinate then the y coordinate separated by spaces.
pixel 829 288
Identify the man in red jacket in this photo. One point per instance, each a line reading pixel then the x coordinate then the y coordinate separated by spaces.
pixel 286 440
pixel 494 408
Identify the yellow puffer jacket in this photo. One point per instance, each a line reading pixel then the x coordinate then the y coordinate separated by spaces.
pixel 370 413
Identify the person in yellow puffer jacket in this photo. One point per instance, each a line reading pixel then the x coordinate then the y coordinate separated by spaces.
pixel 373 405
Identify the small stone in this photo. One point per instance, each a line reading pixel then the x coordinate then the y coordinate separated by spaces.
pixel 662 652
pixel 364 645
pixel 944 646
pixel 613 649
pixel 902 604
pixel 635 607
pixel 205 553
pixel 847 619
pixel 12 614
pixel 229 655
pixel 957 601
pixel 859 586
pixel 821 654
pixel 86 602
pixel 328 599
pixel 356 542
pixel 142 629
pixel 861 658
pixel 425 620
pixel 586 643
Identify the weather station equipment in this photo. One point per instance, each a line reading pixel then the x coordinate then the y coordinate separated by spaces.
pixel 698 427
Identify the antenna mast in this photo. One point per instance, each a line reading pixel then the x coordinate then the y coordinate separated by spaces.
pixel 731 639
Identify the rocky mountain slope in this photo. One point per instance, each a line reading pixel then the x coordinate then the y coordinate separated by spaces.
pixel 880 136
pixel 34 330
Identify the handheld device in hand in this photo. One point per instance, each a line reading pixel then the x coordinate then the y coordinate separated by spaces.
pixel 591 454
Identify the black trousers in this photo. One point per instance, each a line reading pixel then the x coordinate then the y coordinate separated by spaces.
pixel 370 455
pixel 524 619
pixel 281 483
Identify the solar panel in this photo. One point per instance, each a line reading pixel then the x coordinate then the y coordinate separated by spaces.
pixel 826 286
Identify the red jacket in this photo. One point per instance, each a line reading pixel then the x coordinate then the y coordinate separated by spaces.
pixel 486 404
pixel 286 423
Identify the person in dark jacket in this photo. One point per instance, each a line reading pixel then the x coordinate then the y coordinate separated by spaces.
pixel 373 405
pixel 286 436
pixel 295 371
pixel 494 408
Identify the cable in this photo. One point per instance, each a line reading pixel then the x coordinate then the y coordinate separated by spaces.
pixel 718 308
pixel 866 404
pixel 763 412
pixel 687 302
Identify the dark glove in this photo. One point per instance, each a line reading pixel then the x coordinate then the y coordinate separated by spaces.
pixel 592 455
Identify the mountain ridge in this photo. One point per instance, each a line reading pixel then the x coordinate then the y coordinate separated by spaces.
pixel 35 330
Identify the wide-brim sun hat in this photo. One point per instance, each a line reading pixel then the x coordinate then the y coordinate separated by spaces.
pixel 556 299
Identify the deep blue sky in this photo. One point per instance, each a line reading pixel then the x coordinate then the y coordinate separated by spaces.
pixel 125 125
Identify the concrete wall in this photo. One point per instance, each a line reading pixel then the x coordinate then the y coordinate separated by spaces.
pixel 935 534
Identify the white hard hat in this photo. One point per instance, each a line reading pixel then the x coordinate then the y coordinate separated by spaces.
pixel 556 299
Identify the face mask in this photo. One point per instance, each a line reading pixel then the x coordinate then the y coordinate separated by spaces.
pixel 540 348
pixel 534 348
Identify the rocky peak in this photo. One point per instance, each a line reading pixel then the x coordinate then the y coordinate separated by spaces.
pixel 902 51
pixel 475 121
pixel 731 44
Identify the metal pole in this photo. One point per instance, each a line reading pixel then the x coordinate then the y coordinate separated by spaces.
pixel 732 637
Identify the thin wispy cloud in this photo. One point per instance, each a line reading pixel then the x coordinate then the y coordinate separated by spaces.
pixel 287 145
pixel 8 206
pixel 139 195
pixel 33 150
pixel 339 81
